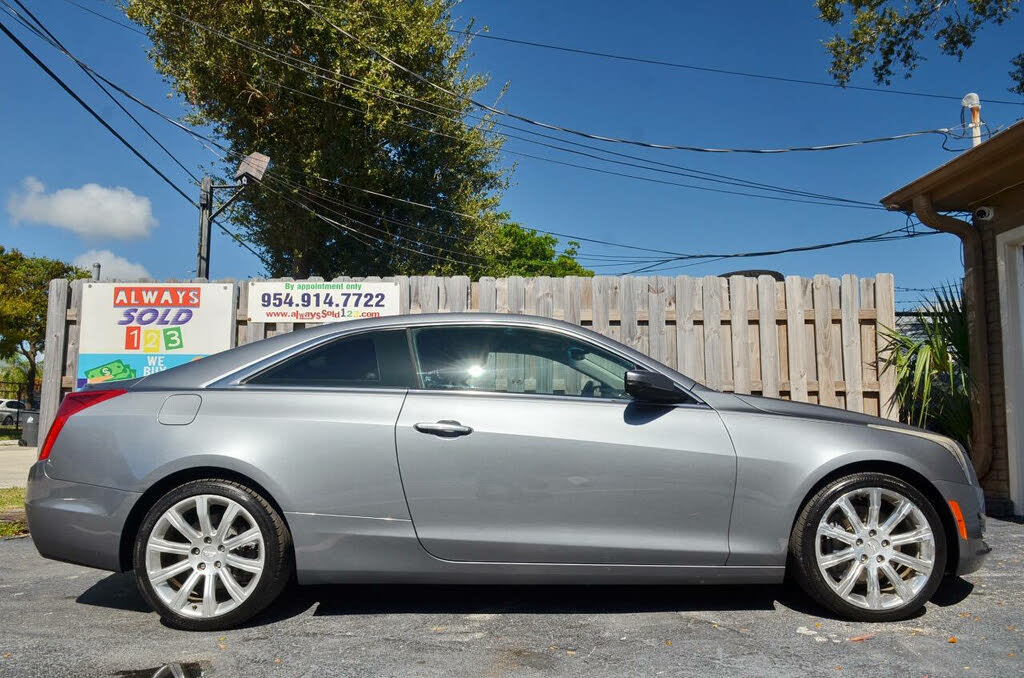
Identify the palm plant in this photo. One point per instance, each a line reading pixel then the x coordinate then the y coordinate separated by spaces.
pixel 933 381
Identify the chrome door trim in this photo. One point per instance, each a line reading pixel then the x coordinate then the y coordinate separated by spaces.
pixel 552 397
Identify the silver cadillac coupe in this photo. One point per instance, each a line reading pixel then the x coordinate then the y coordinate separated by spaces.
pixel 478 448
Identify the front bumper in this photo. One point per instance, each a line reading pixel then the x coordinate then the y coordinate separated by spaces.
pixel 76 522
pixel 972 550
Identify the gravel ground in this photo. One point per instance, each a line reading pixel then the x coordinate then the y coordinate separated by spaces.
pixel 64 620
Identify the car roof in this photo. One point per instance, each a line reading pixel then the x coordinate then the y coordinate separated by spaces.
pixel 200 373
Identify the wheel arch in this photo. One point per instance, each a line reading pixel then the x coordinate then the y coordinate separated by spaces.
pixel 906 474
pixel 161 487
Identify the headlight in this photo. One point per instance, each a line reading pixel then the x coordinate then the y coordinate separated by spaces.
pixel 951 445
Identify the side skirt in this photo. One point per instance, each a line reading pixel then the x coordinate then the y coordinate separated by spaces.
pixel 346 549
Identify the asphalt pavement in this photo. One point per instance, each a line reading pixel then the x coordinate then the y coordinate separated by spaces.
pixel 64 620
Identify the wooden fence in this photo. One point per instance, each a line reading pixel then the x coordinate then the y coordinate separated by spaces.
pixel 812 340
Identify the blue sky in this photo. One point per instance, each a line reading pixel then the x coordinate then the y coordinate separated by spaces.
pixel 47 137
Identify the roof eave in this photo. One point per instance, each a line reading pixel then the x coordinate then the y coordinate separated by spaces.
pixel 970 177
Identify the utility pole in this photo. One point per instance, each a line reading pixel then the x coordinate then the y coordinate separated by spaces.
pixel 250 170
pixel 205 220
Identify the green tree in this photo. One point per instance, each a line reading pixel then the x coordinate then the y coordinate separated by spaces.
pixel 890 32
pixel 529 253
pixel 24 283
pixel 276 77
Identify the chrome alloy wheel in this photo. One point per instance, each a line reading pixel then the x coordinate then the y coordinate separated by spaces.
pixel 875 548
pixel 205 556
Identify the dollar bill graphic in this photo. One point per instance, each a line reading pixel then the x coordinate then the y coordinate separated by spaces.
pixel 115 370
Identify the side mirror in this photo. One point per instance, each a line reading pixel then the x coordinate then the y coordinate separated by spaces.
pixel 653 387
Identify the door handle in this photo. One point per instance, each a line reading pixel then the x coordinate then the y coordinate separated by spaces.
pixel 446 428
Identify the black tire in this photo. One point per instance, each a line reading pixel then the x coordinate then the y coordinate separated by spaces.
pixel 278 558
pixel 802 547
pixel 8 420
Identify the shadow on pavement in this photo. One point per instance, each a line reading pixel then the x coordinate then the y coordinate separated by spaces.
pixel 951 591
pixel 118 591
pixel 553 599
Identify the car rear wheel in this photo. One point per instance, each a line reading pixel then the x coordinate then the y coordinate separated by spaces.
pixel 8 420
pixel 211 554
pixel 869 547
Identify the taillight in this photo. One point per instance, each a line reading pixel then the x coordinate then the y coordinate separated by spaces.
pixel 72 404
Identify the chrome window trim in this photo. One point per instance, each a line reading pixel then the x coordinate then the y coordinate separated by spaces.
pixel 237 378
pixel 254 388
pixel 469 393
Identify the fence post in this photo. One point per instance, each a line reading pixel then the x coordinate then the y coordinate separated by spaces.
pixel 740 334
pixel 823 343
pixel 71 351
pixel 56 341
pixel 853 371
pixel 886 304
pixel 768 336
pixel 795 340
pixel 713 352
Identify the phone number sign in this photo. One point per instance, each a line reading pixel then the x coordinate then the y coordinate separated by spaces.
pixel 310 301
pixel 129 331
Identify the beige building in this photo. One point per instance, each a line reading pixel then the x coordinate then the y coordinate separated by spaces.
pixel 987 182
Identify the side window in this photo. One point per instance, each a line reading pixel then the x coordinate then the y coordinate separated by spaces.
pixel 516 360
pixel 16 405
pixel 373 359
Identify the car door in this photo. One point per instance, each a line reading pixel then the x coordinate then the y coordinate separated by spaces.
pixel 325 418
pixel 521 446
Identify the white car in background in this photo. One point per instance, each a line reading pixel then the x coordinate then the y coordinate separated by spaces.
pixel 9 411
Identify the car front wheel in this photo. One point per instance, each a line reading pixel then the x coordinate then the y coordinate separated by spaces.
pixel 869 547
pixel 211 554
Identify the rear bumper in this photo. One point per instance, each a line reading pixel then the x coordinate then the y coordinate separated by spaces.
pixel 972 550
pixel 75 522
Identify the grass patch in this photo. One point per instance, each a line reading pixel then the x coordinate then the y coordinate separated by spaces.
pixel 12 497
pixel 9 433
pixel 12 512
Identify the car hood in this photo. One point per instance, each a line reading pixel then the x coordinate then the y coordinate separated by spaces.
pixel 789 408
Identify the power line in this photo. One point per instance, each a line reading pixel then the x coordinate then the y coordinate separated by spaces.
pixel 884 236
pixel 720 71
pixel 878 237
pixel 944 132
pixel 24 48
pixel 640 60
pixel 349 229
pixel 676 257
pixel 110 96
pixel 700 175
pixel 92 112
pixel 167 180
pixel 107 18
pixel 198 135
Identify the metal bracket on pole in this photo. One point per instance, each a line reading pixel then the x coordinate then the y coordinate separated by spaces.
pixel 216 212
pixel 250 170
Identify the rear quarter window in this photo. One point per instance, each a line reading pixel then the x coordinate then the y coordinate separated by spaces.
pixel 368 360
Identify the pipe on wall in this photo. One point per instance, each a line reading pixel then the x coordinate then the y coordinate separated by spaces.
pixel 977 326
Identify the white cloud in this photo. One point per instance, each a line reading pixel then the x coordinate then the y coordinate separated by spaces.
pixel 112 267
pixel 92 210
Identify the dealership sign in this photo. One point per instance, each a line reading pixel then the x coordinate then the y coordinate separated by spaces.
pixel 130 331
pixel 314 301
